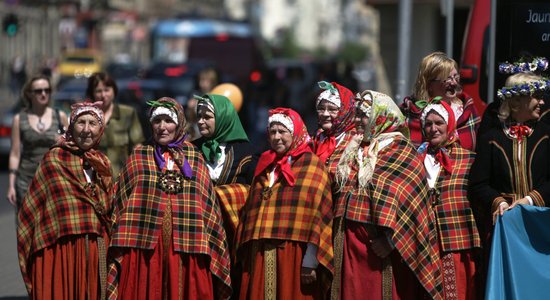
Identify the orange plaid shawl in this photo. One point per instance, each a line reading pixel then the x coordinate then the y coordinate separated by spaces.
pixel 302 212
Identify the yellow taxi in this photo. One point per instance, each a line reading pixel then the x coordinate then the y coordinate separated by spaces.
pixel 79 63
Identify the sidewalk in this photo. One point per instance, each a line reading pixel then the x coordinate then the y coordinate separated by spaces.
pixel 12 286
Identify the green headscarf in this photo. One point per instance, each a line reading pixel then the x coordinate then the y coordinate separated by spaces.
pixel 228 126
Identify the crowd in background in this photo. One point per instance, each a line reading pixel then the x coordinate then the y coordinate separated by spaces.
pixel 376 201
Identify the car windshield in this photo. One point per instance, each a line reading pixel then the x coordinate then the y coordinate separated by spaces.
pixel 79 59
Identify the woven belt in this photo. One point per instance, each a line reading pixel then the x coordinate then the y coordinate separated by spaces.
pixel 270 272
pixel 338 253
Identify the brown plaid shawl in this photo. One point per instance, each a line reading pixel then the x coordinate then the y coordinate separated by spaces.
pixel 59 203
pixel 397 200
pixel 455 220
pixel 196 216
pixel 301 213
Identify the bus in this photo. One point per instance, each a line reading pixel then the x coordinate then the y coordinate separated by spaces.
pixel 232 47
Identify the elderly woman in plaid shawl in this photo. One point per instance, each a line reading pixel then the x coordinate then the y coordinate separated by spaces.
pixel 168 241
pixel 447 165
pixel 389 245
pixel 286 232
pixel 335 114
pixel 62 223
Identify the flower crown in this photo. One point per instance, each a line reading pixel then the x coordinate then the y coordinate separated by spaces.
pixel 539 64
pixel 526 89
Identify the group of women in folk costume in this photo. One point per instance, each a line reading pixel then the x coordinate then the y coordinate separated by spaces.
pixel 355 211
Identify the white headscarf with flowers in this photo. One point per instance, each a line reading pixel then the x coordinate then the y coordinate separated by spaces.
pixel 385 122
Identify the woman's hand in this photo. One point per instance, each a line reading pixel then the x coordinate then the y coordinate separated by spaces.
pixel 308 275
pixel 381 246
pixel 523 201
pixel 11 196
pixel 502 207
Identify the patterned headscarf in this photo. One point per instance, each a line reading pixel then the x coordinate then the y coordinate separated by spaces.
pixel 91 156
pixel 441 154
pixel 228 126
pixel 300 144
pixel 171 106
pixel 385 121
pixel 384 115
pixel 344 121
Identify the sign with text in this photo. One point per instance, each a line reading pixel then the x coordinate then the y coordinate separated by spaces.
pixel 530 29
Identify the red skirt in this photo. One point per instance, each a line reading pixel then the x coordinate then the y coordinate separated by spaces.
pixel 69 269
pixel 362 269
pixel 148 274
pixel 289 265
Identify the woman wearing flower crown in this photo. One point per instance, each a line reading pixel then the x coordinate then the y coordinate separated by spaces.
pixel 63 221
pixel 447 165
pixel 167 241
pixel 285 237
pixel 512 165
pixel 536 65
pixel 390 245
pixel 438 76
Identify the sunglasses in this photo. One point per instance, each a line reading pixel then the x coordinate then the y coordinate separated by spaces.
pixel 40 91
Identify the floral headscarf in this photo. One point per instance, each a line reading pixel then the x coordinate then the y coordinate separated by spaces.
pixel 228 125
pixel 344 121
pixel 92 156
pixel 171 107
pixel 385 122
pixel 384 115
pixel 300 144
pixel 441 153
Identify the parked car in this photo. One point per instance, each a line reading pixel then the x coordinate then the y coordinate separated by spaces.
pixel 6 121
pixel 125 70
pixel 79 63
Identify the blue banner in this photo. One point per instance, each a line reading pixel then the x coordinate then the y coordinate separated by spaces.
pixel 519 266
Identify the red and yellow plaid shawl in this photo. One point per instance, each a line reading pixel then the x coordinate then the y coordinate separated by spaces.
pixel 397 200
pixel 301 213
pixel 455 219
pixel 196 216
pixel 59 203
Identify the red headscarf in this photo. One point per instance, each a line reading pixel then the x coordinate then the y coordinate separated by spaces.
pixel 98 161
pixel 300 144
pixel 446 112
pixel 342 123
